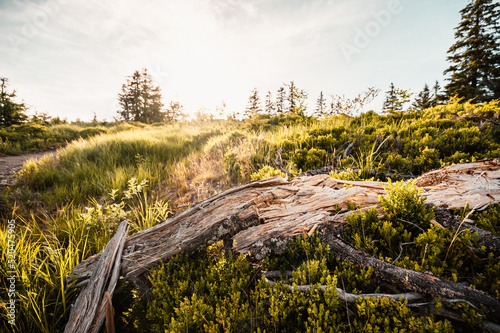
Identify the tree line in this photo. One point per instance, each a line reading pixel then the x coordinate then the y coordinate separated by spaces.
pixel 473 75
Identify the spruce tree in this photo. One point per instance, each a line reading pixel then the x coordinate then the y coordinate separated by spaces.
pixel 424 99
pixel 390 99
pixel 320 106
pixel 254 105
pixel 11 113
pixel 296 99
pixel 280 101
pixel 395 99
pixel 140 99
pixel 437 97
pixel 475 56
pixel 292 96
pixel 270 107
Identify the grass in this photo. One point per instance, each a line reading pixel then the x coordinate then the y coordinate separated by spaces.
pixel 91 167
pixel 67 208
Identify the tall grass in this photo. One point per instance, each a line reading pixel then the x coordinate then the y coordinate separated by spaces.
pixel 49 247
pixel 90 167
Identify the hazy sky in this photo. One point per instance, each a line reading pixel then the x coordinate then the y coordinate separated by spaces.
pixel 70 57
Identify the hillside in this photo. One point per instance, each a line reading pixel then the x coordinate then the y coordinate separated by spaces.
pixel 67 208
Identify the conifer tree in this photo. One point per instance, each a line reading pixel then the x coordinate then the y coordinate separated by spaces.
pixel 296 99
pixel 254 105
pixel 292 96
pixel 280 101
pixel 140 100
pixel 270 107
pixel 475 56
pixel 424 99
pixel 395 99
pixel 320 106
pixel 11 113
pixel 437 97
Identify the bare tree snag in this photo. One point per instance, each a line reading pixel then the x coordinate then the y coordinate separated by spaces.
pixel 86 306
pixel 262 216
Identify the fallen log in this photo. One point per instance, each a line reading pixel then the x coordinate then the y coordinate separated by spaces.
pixel 411 280
pixel 88 304
pixel 262 216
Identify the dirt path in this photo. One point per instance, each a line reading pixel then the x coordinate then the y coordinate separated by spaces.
pixel 11 164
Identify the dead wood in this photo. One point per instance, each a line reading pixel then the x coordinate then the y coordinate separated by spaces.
pixel 411 280
pixel 278 163
pixel 262 216
pixel 454 222
pixel 86 306
pixel 352 298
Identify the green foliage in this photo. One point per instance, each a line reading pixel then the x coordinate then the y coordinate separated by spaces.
pixel 384 315
pixel 488 219
pixel 173 159
pixel 267 172
pixel 403 202
pixel 208 292
pixel 407 239
pixel 202 292
pixel 53 246
pixel 88 168
pixel 22 138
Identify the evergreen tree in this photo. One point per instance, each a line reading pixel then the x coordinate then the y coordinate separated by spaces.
pixel 280 101
pixel 475 56
pixel 296 99
pixel 424 99
pixel 320 106
pixel 437 97
pixel 11 113
pixel 292 96
pixel 140 100
pixel 254 105
pixel 270 107
pixel 395 99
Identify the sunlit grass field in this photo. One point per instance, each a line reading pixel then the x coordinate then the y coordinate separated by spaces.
pixel 67 208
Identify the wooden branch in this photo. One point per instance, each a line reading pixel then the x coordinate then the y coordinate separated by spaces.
pixel 352 298
pixel 103 311
pixel 475 184
pixel 110 321
pixel 411 280
pixel 278 163
pixel 85 308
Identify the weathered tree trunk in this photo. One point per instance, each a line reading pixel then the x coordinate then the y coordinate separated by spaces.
pixel 289 209
pixel 411 280
pixel 86 313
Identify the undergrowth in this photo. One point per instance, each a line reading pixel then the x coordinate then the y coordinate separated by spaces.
pixel 65 211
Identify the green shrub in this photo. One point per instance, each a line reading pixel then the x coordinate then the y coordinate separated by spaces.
pixel 267 172
pixel 403 202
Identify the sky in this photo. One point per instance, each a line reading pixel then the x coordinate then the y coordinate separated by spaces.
pixel 69 58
